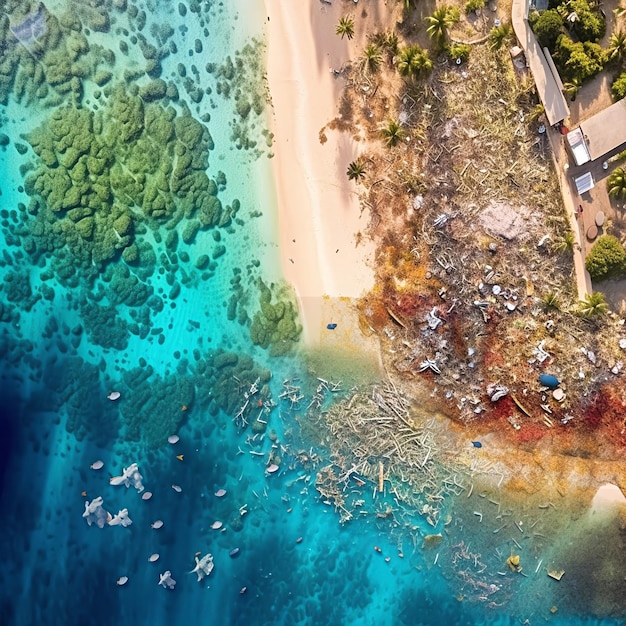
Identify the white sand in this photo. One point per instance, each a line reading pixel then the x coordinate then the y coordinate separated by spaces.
pixel 607 498
pixel 319 210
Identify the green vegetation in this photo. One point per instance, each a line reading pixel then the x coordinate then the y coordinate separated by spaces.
pixel 588 23
pixel 617 46
pixel 440 22
pixel 392 133
pixel 499 35
pixel 458 52
pixel 274 326
pixel 572 87
pixel 577 60
pixel 547 26
pixel 372 58
pixel 618 88
pixel 413 62
pixel 593 305
pixel 356 170
pixel 551 301
pixel 606 259
pixel 566 243
pixel 616 183
pixel 101 177
pixel 471 6
pixel 345 27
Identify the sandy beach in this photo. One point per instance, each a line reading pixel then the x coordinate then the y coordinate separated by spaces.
pixel 319 210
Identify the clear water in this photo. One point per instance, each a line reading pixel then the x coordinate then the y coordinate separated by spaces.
pixel 296 563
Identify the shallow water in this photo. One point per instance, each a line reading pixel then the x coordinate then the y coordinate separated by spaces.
pixel 181 357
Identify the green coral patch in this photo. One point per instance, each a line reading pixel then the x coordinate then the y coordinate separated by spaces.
pixel 102 177
pixel 275 325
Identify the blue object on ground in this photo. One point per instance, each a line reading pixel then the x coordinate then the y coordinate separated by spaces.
pixel 477 444
pixel 331 326
pixel 548 380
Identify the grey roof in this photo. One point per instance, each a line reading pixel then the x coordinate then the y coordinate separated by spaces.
pixel 548 86
pixel 605 131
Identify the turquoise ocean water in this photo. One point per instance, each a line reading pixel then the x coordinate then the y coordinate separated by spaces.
pixel 145 283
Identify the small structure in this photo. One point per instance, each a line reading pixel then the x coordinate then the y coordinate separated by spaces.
pixel 605 132
pixel 577 146
pixel 584 183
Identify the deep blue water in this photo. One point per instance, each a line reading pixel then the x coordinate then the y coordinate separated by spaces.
pixel 81 317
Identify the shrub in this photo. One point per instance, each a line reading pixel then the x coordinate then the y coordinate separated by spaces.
pixel 590 25
pixel 607 258
pixel 547 27
pixel 618 88
pixel 458 51
pixel 576 60
pixel 473 5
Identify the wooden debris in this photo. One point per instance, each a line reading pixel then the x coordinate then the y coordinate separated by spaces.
pixel 556 574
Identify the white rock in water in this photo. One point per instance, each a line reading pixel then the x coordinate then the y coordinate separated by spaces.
pixel 177 488
pixel 153 558
pixel 220 493
pixel 156 525
pixel 146 495
pixel 272 468
pixel 173 439
pixel 114 395
pixel 122 580
pixel 96 465
pixel 216 525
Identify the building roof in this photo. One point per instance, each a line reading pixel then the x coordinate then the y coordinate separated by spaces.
pixel 548 86
pixel 605 131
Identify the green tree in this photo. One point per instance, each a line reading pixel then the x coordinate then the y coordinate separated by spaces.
pixel 618 88
pixel 606 259
pixel 345 27
pixel 392 133
pixel 499 35
pixel 372 58
pixel 413 62
pixel 617 46
pixel 589 24
pixel 616 183
pixel 593 305
pixel 440 22
pixel 356 170
pixel 577 59
pixel 547 26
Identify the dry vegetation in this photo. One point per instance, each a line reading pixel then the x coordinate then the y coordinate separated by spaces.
pixel 475 292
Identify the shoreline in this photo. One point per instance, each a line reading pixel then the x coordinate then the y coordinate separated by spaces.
pixel 318 208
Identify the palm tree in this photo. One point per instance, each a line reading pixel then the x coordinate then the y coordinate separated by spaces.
pixel 356 170
pixel 440 22
pixel 413 62
pixel 617 46
pixel 571 88
pixel 345 27
pixel 616 183
pixel 392 133
pixel 593 305
pixel 499 35
pixel 372 58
